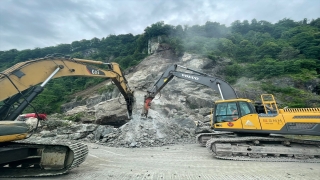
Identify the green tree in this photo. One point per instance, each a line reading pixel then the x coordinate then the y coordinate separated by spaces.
pixel 269 49
pixel 179 32
pixel 244 51
pixel 158 29
pixel 226 46
pixel 282 26
pixel 215 30
pixel 287 53
pixel 315 22
pixel 196 30
pixel 302 39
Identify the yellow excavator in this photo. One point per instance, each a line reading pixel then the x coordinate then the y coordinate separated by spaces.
pixel 27 158
pixel 247 130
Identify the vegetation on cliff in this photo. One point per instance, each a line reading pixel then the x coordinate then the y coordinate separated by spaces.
pixel 257 49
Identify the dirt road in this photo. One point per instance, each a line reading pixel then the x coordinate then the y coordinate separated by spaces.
pixel 180 162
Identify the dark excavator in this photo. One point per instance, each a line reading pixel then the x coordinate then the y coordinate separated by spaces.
pixel 247 130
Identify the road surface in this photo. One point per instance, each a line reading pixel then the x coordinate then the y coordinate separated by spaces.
pixel 189 161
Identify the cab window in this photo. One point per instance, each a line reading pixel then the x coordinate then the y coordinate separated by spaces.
pixel 245 108
pixel 226 112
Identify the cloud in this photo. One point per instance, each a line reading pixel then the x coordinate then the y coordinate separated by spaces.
pixel 39 23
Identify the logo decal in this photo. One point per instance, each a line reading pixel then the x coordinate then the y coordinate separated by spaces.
pixel 94 71
pixel 249 123
pixel 190 77
pixel 230 124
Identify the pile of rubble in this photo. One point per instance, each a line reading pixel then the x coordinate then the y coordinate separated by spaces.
pixel 155 130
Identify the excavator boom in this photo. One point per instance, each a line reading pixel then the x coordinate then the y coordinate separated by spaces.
pixel 27 158
pixel 219 85
pixel 27 74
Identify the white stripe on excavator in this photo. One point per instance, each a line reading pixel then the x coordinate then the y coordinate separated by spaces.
pixel 113 153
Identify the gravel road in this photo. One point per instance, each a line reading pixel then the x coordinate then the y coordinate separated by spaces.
pixel 188 161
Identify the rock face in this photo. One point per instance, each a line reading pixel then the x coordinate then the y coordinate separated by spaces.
pixel 179 96
pixel 91 101
pixel 111 112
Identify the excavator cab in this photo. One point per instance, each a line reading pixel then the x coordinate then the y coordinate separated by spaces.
pixel 226 112
pixel 231 110
pixel 243 114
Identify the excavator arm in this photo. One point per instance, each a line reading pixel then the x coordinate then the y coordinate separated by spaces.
pixel 219 85
pixel 24 75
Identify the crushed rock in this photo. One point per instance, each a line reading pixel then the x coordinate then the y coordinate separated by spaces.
pixel 155 130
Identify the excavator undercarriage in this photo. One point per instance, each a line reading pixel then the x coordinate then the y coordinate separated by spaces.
pixel 29 159
pixel 257 148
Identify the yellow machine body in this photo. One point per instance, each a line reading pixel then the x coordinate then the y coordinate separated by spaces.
pixel 300 121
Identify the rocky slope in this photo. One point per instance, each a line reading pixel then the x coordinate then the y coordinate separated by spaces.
pixel 177 114
pixel 170 120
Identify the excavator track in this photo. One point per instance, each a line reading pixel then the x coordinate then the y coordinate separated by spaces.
pixel 202 138
pixel 55 158
pixel 275 149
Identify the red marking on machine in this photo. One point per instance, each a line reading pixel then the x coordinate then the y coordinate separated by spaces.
pixel 24 117
pixel 230 124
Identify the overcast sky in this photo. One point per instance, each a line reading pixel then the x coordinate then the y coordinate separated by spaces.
pixel 27 24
